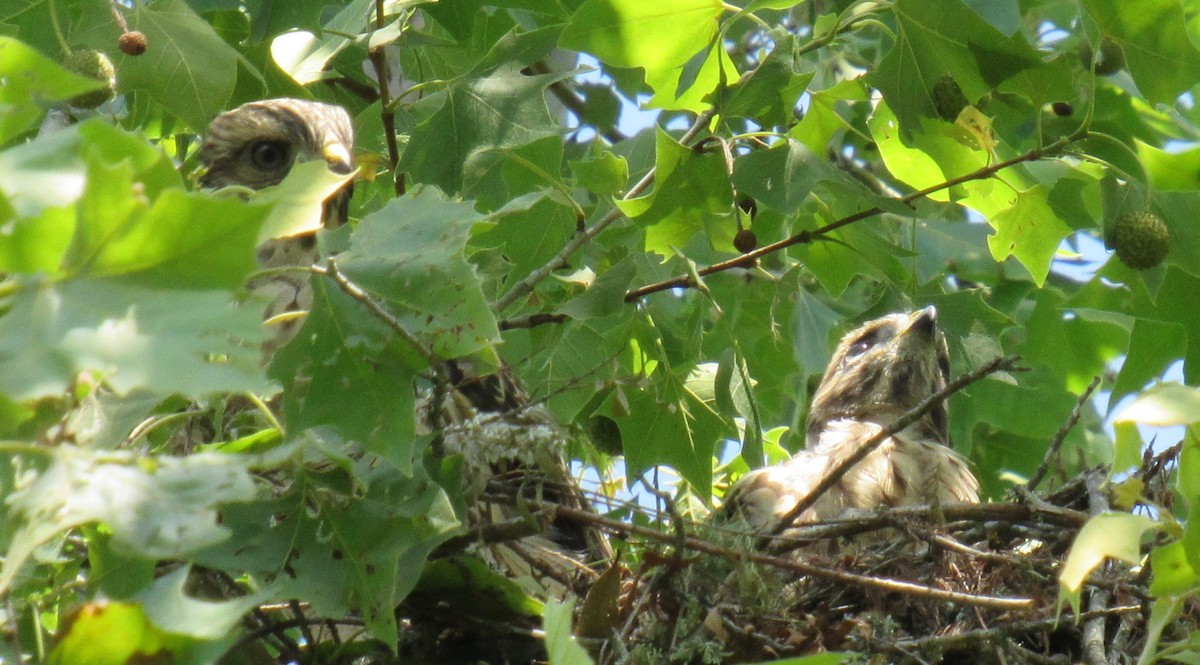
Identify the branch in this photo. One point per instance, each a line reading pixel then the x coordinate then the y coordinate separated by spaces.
pixel 794 565
pixel 574 103
pixel 988 636
pixel 1060 436
pixel 907 418
pixel 356 292
pixel 378 57
pixel 748 259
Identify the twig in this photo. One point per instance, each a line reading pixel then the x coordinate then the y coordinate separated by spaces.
pixel 802 567
pixel 987 635
pixel 498 532
pixel 532 321
pixel 574 103
pixel 1061 436
pixel 1093 629
pixel 907 418
pixel 748 259
pixel 356 292
pixel 526 285
pixel 378 57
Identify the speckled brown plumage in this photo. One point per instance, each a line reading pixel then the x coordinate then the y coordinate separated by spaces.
pixel 255 146
pixel 879 371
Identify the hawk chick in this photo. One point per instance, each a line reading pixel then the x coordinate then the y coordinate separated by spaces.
pixel 879 371
pixel 255 146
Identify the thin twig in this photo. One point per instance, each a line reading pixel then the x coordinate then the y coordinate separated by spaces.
pixel 532 321
pixel 748 259
pixel 794 565
pixel 574 103
pixel 526 285
pixel 987 635
pixel 907 418
pixel 378 57
pixel 1061 436
pixel 356 292
pixel 1093 628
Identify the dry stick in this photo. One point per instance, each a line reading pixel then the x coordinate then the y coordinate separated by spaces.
pixel 907 418
pixel 748 259
pixel 987 635
pixel 1093 629
pixel 1061 436
pixel 898 586
pixel 378 57
pixel 525 286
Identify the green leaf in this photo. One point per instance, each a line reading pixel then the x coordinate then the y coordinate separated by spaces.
pixel 159 507
pixel 29 79
pixel 1153 34
pixel 1163 405
pixel 468 585
pixel 501 111
pixel 1108 535
pixel 182 240
pixel 561 646
pixel 188 342
pixel 305 56
pixel 770 93
pixel 689 187
pixel 1030 230
pixel 673 427
pixel 170 608
pixel 603 174
pixel 410 255
pixel 49 172
pixel 658 36
pixel 1173 573
pixel 187 67
pixel 342 555
pixel 1153 347
pixel 975 54
pixel 113 633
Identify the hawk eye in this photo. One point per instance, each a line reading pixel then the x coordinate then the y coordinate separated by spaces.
pixel 269 155
pixel 861 345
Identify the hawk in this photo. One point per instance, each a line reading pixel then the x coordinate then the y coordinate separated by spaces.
pixel 488 419
pixel 878 372
pixel 255 146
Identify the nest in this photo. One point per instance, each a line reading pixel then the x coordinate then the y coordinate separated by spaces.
pixel 966 584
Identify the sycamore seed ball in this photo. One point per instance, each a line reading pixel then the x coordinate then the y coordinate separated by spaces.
pixel 92 64
pixel 1140 239
pixel 132 43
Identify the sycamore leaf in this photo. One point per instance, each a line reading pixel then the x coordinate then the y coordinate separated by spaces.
pixel 31 78
pixel 1154 37
pixel 1163 405
pixel 157 506
pixel 561 646
pixel 1108 535
pixel 500 111
pixel 655 35
pixel 1030 230
pixel 167 341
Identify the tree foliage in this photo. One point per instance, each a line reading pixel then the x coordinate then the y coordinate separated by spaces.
pixel 670 290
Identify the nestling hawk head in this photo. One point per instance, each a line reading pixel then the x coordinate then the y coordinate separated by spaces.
pixel 256 145
pixel 882 369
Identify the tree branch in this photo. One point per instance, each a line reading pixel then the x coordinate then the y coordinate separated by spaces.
pixel 783 563
pixel 1061 436
pixel 746 260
